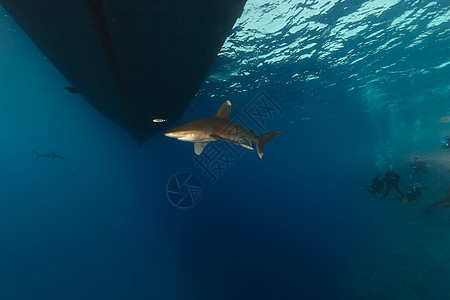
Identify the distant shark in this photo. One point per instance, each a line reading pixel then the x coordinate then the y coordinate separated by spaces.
pixel 51 155
pixel 220 128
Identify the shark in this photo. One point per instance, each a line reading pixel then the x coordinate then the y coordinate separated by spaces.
pixel 219 128
pixel 51 155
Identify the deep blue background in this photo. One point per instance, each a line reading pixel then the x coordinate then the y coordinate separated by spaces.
pixel 297 224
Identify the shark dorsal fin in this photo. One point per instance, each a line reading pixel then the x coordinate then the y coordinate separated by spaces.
pixel 224 111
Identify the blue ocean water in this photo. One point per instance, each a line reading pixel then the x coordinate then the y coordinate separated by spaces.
pixel 354 87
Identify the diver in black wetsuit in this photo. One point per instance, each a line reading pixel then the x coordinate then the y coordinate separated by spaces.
pixel 413 193
pixel 377 185
pixel 445 142
pixel 391 179
pixel 444 203
pixel 418 166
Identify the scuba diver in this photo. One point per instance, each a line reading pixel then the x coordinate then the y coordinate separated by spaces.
pixel 391 179
pixel 418 166
pixel 444 203
pixel 445 142
pixel 413 193
pixel 377 185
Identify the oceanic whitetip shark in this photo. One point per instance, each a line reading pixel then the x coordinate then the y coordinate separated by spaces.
pixel 51 155
pixel 220 128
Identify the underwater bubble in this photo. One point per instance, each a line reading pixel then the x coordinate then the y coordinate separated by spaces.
pixel 444 119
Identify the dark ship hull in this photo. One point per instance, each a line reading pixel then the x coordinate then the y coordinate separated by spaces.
pixel 133 60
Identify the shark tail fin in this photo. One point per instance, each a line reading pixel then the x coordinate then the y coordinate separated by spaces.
pixel 262 140
pixel 37 154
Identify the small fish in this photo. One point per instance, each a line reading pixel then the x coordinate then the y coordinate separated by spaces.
pixel 159 120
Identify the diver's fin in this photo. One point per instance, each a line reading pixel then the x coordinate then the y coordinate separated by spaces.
pixel 37 154
pixel 198 147
pixel 227 140
pixel 224 111
pixel 405 200
pixel 262 140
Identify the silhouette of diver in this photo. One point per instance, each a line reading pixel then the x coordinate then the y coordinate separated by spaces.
pixel 413 193
pixel 391 179
pixel 377 185
pixel 445 142
pixel 444 203
pixel 418 166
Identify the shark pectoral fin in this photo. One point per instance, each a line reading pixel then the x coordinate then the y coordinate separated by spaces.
pixel 244 145
pixel 37 154
pixel 234 142
pixel 198 147
pixel 224 111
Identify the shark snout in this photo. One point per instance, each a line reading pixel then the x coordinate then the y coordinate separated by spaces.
pixel 181 135
pixel 172 134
